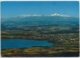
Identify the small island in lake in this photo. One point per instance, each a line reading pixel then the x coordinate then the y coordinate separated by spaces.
pixel 34 35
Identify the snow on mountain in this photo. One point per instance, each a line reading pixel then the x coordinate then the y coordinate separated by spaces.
pixel 56 14
pixel 26 15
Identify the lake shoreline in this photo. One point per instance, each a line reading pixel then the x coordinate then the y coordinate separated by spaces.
pixel 56 50
pixel 26 39
pixel 24 43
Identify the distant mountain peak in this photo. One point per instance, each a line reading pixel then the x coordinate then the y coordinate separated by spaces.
pixel 27 15
pixel 56 14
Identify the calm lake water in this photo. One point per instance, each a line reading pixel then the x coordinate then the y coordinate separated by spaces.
pixel 17 43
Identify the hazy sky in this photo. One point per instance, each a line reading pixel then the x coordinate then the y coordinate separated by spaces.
pixel 11 9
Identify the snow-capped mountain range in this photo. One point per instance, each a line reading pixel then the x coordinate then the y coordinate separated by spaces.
pixel 55 14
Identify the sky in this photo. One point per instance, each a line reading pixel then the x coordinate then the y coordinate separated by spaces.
pixel 16 8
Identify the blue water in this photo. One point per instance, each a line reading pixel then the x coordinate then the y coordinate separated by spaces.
pixel 17 43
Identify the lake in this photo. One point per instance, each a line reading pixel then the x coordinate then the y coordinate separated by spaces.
pixel 21 43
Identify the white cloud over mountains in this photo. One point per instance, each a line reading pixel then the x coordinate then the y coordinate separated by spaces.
pixel 55 14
